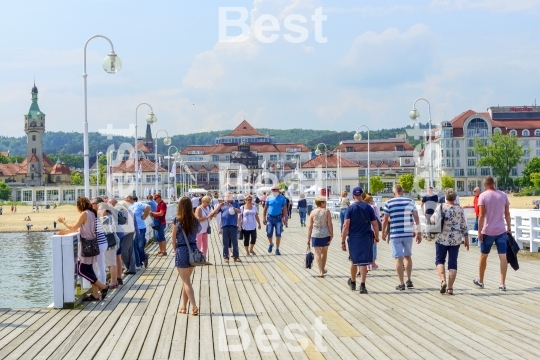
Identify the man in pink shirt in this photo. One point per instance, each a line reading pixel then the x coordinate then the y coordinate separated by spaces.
pixel 494 211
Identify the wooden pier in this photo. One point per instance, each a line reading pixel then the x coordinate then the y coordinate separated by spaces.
pixel 276 295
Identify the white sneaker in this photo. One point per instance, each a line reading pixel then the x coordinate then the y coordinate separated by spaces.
pixel 502 287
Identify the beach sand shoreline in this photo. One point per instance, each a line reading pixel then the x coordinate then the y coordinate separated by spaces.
pixel 14 223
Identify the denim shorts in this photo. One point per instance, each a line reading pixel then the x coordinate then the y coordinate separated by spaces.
pixel 500 240
pixel 401 247
pixel 274 222
pixel 440 255
pixel 160 234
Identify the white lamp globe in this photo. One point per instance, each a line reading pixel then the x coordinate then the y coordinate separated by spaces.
pixel 414 114
pixel 112 63
pixel 151 118
pixel 167 141
pixel 357 136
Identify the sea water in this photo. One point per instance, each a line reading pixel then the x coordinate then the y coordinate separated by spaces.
pixel 26 270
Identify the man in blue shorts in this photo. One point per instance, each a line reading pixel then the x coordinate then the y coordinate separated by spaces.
pixel 404 226
pixel 274 216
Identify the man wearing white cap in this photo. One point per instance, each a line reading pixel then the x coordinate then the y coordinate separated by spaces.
pixel 274 216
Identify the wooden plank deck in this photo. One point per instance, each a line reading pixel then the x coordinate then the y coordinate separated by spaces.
pixel 276 296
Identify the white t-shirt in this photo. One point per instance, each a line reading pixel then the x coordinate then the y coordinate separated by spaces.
pixel 204 224
pixel 195 202
pixel 249 221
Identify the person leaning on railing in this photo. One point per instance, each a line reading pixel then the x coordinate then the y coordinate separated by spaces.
pixel 86 225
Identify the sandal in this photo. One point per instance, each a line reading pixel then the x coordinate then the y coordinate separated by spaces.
pixel 450 291
pixel 443 287
pixel 182 310
pixel 195 311
pixel 90 298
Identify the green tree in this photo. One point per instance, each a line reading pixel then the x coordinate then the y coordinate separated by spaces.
pixel 76 178
pixel 4 159
pixel 533 166
pixel 501 153
pixel 102 176
pixel 447 182
pixel 16 159
pixel 407 182
pixel 5 191
pixel 422 183
pixel 375 184
pixel 535 180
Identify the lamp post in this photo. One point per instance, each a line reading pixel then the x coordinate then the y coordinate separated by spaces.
pixel 318 152
pixel 296 160
pixel 169 164
pixel 358 137
pixel 111 64
pixel 150 119
pixel 415 115
pixel 98 154
pixel 166 142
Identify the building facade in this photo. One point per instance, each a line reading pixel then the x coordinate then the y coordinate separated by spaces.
pixel 453 142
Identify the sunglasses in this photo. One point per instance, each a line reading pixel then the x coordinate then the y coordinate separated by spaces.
pixel 248 199
pixel 94 203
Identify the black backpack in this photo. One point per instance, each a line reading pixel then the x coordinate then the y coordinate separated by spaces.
pixel 121 218
pixel 257 200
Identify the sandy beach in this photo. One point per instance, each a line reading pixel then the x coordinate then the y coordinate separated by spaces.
pixel 13 222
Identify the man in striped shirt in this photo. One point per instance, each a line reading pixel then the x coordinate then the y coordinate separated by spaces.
pixel 402 221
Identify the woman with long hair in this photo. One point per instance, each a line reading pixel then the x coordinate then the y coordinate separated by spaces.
pixel 186 223
pixel 89 227
pixel 343 205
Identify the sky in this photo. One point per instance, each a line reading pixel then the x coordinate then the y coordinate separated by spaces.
pixel 365 64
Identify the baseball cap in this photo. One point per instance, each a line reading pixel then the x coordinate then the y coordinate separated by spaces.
pixel 158 195
pixel 275 187
pixel 357 191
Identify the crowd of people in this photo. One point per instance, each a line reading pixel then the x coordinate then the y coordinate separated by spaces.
pixel 120 229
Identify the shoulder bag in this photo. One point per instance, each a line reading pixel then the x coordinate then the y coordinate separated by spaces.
pixel 367 222
pixel 309 258
pixel 196 257
pixel 111 237
pixel 90 247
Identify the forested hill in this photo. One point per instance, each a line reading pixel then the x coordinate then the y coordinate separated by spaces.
pixel 72 142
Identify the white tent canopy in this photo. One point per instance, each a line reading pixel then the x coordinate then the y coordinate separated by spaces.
pixel 197 191
pixel 314 189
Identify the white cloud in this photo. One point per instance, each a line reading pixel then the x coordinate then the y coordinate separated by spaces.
pixel 388 58
pixel 494 5
pixel 205 71
pixel 371 11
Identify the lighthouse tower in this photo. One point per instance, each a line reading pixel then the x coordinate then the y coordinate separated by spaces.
pixel 34 127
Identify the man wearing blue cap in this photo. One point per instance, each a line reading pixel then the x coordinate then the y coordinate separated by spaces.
pixel 404 226
pixel 361 227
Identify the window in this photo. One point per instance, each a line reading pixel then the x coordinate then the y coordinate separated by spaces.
pixel 260 157
pixel 27 195
pixel 331 174
pixel 349 149
pixel 537 152
pixel 273 157
pixel 52 195
pixel 514 172
pixel 537 132
pixel 477 127
pixel 215 158
pixel 471 162
pixel 470 143
pixel 457 143
pixel 537 143
pixel 471 153
pixel 526 153
pixel 69 195
pixel 195 158
pixel 448 153
pixel 526 144
pixel 119 179
pixel 447 133
pixel 214 177
pixel 388 186
pixel 227 157
pixel 57 179
pixel 472 172
pixel 526 161
pixel 448 163
pixel 362 172
pixel 458 162
pixel 348 188
pixel 525 133
pixel 400 148
pixel 310 175
pixel 150 178
pixel 33 137
pixel 512 132
pixel 202 176
pixel 497 131
pixel 485 171
pixel 448 143
pixel 457 152
pixel 459 172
